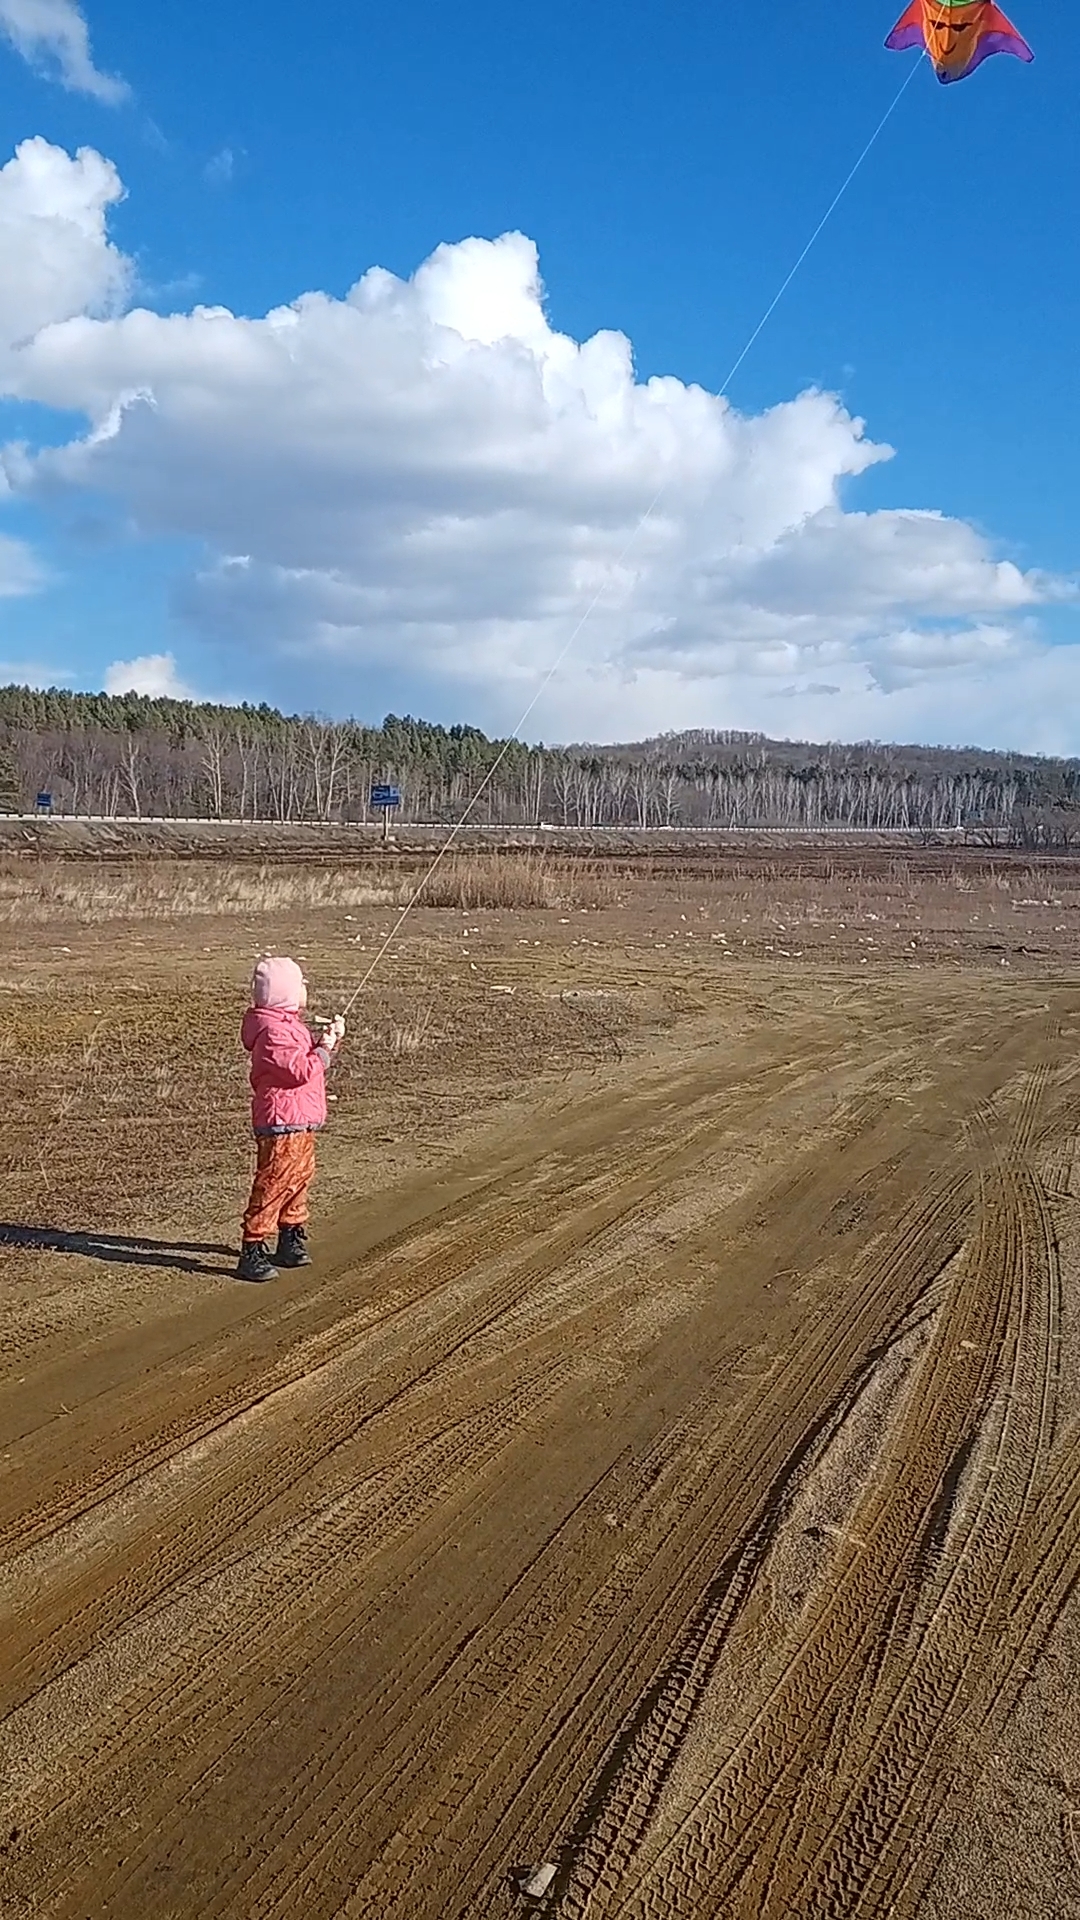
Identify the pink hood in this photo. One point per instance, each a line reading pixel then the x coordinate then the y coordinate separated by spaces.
pixel 277 982
pixel 288 1070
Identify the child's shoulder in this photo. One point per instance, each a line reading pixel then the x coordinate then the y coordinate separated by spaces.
pixel 273 1024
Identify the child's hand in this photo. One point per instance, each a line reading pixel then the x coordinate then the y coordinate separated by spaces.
pixel 334 1033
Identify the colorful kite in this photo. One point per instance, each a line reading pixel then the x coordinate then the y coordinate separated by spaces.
pixel 958 35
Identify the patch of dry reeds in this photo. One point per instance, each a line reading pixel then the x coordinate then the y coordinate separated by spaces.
pixel 166 890
pixel 516 881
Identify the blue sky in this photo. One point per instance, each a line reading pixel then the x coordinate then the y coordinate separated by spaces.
pixel 668 163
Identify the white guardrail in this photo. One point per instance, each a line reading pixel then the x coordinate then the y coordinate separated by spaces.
pixel 469 826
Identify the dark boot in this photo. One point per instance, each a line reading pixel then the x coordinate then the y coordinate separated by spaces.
pixel 292 1247
pixel 255 1262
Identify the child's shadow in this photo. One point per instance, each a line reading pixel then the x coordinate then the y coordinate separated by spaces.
pixel 175 1255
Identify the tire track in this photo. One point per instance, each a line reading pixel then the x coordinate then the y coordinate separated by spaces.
pixel 154 1671
pixel 338 1767
pixel 728 1856
pixel 197 1519
pixel 684 1557
pixel 680 1113
pixel 343 1619
pixel 656 1197
pixel 896 1772
pixel 688 1559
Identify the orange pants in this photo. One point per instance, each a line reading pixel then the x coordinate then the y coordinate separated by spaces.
pixel 279 1193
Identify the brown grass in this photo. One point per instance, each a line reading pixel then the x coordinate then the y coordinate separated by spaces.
pixel 893 904
pixel 407 1037
pixel 516 881
pixel 167 890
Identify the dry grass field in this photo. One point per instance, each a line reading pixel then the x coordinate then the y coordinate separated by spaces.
pixel 670 1468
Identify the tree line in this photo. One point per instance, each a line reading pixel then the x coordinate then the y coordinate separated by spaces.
pixel 134 756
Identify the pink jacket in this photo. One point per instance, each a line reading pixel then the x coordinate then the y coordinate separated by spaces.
pixel 288 1071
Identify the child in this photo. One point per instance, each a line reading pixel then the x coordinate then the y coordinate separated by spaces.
pixel 288 1080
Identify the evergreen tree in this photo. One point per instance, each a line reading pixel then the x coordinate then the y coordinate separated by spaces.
pixel 10 797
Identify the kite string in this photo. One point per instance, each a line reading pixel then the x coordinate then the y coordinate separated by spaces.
pixel 824 221
pixel 631 539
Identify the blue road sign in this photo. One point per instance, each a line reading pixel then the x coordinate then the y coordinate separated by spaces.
pixel 386 796
pixel 44 802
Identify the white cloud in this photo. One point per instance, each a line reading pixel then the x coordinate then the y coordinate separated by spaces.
pixel 56 259
pixel 425 480
pixel 54 35
pixel 154 674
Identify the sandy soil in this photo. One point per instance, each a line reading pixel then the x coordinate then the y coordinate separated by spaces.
pixel 670 1468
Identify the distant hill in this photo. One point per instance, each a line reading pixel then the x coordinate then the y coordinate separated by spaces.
pixel 133 755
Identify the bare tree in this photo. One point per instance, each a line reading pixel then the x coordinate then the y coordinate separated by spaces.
pixel 325 750
pixel 130 770
pixel 213 767
pixel 564 788
pixel 643 788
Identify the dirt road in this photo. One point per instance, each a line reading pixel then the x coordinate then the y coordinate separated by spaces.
pixel 677 1490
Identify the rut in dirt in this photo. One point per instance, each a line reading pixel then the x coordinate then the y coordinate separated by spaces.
pixel 827 1794
pixel 443 1566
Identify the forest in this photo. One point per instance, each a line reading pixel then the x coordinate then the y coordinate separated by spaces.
pixel 138 757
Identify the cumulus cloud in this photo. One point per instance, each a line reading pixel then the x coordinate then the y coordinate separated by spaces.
pixel 154 674
pixel 426 480
pixel 53 35
pixel 56 260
